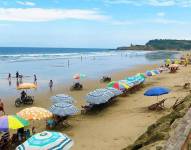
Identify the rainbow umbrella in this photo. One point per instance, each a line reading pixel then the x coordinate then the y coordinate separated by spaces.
pixel 12 122
pixel 79 76
pixel 118 85
pixel 129 83
pixel 141 75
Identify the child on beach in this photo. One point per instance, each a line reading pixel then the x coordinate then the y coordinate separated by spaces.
pixel 2 107
pixel 9 76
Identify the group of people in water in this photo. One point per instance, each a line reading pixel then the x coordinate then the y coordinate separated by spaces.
pixel 19 80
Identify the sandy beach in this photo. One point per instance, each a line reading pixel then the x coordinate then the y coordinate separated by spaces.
pixel 120 124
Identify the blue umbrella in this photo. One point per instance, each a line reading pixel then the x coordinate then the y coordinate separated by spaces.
pixel 47 141
pixel 62 98
pixel 156 91
pixel 63 109
pixel 115 91
pixel 99 96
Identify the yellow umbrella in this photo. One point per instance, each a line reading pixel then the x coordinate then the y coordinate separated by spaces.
pixel 25 86
pixel 35 113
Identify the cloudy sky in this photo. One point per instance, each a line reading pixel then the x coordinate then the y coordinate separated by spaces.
pixel 92 23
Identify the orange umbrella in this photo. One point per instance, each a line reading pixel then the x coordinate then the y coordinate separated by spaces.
pixel 35 113
pixel 26 86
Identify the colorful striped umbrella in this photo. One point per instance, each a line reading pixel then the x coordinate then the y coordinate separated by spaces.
pixel 12 122
pixel 141 75
pixel 118 85
pixel 62 98
pixel 35 113
pixel 130 84
pixel 47 141
pixel 63 109
pixel 79 76
pixel 26 86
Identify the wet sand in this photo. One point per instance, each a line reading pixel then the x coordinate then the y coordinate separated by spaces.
pixel 121 123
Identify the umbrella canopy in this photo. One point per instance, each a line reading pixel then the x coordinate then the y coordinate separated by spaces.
pixel 99 96
pixel 156 91
pixel 174 66
pixel 79 76
pixel 156 71
pixel 118 85
pixel 150 73
pixel 12 122
pixel 26 86
pixel 142 75
pixel 47 141
pixel 126 82
pixel 63 109
pixel 116 92
pixel 35 113
pixel 62 98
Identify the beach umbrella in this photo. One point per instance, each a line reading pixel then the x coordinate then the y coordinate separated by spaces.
pixel 156 91
pixel 63 109
pixel 116 92
pixel 62 98
pixel 98 96
pixel 79 76
pixel 118 85
pixel 141 75
pixel 126 82
pixel 174 66
pixel 150 73
pixel 26 86
pixel 35 113
pixel 156 71
pixel 12 122
pixel 47 141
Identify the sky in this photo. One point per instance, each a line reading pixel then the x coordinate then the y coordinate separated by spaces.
pixel 92 23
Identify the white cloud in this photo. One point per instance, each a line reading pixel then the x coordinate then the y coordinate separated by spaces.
pixel 161 20
pixel 161 14
pixel 162 3
pixel 26 3
pixel 41 15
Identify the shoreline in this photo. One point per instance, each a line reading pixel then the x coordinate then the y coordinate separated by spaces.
pixel 118 125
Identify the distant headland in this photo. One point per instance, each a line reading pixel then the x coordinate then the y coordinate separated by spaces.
pixel 160 44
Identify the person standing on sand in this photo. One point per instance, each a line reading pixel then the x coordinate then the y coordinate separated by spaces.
pixel 50 85
pixel 9 76
pixel 2 107
pixel 17 75
pixel 35 79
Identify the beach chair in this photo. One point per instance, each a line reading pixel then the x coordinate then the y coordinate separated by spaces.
pixel 157 106
pixel 86 108
pixel 186 85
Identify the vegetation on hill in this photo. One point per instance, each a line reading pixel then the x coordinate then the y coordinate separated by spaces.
pixel 161 44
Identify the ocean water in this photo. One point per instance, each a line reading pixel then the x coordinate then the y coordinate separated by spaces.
pixel 60 64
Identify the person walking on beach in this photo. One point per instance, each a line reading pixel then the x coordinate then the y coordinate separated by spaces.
pixel 17 75
pixel 2 107
pixel 9 76
pixel 50 85
pixel 35 79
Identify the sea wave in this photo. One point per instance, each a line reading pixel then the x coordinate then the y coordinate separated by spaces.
pixel 72 55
